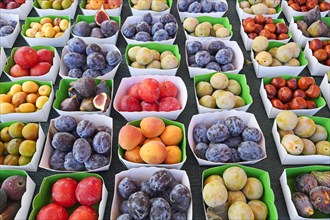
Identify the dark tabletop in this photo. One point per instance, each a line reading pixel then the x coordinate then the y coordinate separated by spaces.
pixel 271 164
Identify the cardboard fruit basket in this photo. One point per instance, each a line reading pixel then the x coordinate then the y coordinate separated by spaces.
pixel 55 42
pixel 27 196
pixel 38 116
pixel 50 76
pixel 325 89
pixel 110 12
pixel 289 159
pixel 287 180
pixel 314 66
pixel 22 11
pixel 272 112
pixel 224 21
pixel 142 12
pixel 273 71
pixel 44 196
pixel 9 40
pixel 267 197
pixel 71 11
pixel 64 70
pixel 242 15
pixel 151 71
pixel 208 118
pixel 248 41
pixel 62 93
pixel 3 59
pixel 143 173
pixel 127 82
pixel 245 93
pixel 182 146
pixel 33 165
pixel 98 120
pixel 90 40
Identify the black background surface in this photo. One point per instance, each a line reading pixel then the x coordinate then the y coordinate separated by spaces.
pixel 271 164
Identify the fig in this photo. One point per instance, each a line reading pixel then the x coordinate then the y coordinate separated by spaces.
pixel 101 101
pixel 100 16
pixel 3 201
pixel 304 183
pixel 318 29
pixel 320 198
pixel 86 87
pixel 87 105
pixel 312 15
pixel 323 178
pixel 72 92
pixel 303 205
pixel 70 104
pixel 102 87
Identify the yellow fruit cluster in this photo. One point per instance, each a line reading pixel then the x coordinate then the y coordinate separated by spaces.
pixel 155 5
pixel 106 4
pixel 205 29
pixel 25 98
pixel 47 28
pixel 18 143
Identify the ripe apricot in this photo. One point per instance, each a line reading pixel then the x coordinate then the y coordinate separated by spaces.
pixel 152 127
pixel 153 139
pixel 41 101
pixel 26 107
pixel 153 152
pixel 5 98
pixel 14 88
pixel 174 155
pixel 6 108
pixel 32 98
pixel 30 87
pixel 172 135
pixel 18 98
pixel 129 137
pixel 133 155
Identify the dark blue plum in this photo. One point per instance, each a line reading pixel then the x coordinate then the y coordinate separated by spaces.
pixel 160 209
pixel 180 198
pixel 102 142
pixel 113 58
pixel 75 73
pixel 96 61
pixel 171 29
pixel 65 123
pixel 74 60
pixel 218 153
pixel 251 134
pixel 63 141
pixel 194 65
pixel 201 149
pixel 213 66
pixel 72 164
pixel 207 6
pixel 212 58
pixel 147 18
pixel 183 5
pixel 249 150
pixel 156 26
pixel 129 30
pixel 191 60
pixel 124 216
pixel 109 28
pixel 142 36
pixel 107 69
pixel 93 48
pixel 218 133
pixel 6 30
pixel 143 26
pixel 235 125
pixel 161 180
pixel 228 67
pixel 145 187
pixel 81 150
pixel 202 58
pixel 81 29
pixel 200 133
pixel 77 45
pixel 3 22
pixel 91 73
pixel 215 46
pixel 123 208
pixel 97 33
pixel 234 156
pixel 160 35
pixel 96 161
pixel 12 23
pixel 86 128
pixel 167 18
pixel 138 205
pixel 220 122
pixel 193 47
pixel 56 160
pixel 127 187
pixel 224 56
pixel 220 6
pixel 233 142
pixel 195 7
pixel 179 216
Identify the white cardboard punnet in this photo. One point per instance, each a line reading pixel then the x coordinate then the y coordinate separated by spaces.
pixel 208 118
pixel 144 173
pixel 127 82
pixel 288 159
pixel 9 40
pixel 272 112
pixel 50 76
pixel 242 15
pixel 105 48
pixel 238 60
pixel 325 89
pixel 137 19
pixel 33 165
pixel 214 14
pixel 110 12
pixel 137 12
pixel 289 12
pixel 315 67
pixel 22 11
pixel 71 11
pixel 3 59
pixel 98 120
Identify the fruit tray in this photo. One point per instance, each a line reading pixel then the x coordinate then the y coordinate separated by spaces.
pixel 214 14
pixel 62 94
pixel 272 112
pixel 50 76
pixel 38 116
pixel 314 66
pixel 287 180
pixel 27 196
pixel 297 35
pixel 137 19
pixel 3 59
pixel 105 48
pixel 245 93
pixel 224 21
pixel 208 118
pixel 268 196
pixel 143 173
pixel 289 12
pixel 238 60
pixel 242 15
pixel 130 164
pixel 44 195
pixel 110 12
pixel 127 82
pixel 89 40
pixel 71 11
pixel 137 12
pixel 325 88
pixel 22 11
pixel 99 120
pixel 55 42
pixel 273 71
pixel 151 71
pixel 9 40
pixel 33 165
pixel 288 159
pixel 248 41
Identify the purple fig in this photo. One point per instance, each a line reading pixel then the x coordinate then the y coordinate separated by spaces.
pixel 318 29
pixel 70 104
pixel 320 198
pixel 312 15
pixel 86 86
pixel 304 183
pixel 303 205
pixel 323 178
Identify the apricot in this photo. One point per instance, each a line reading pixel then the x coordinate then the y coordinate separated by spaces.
pixel 153 152
pixel 41 101
pixel 129 137
pixel 14 89
pixel 174 155
pixel 172 135
pixel 32 98
pixel 18 98
pixel 133 155
pixel 26 107
pixel 143 138
pixel 30 131
pixel 46 20
pixel 5 98
pixel 44 90
pixel 6 108
pixel 153 139
pixel 4 134
pixel 30 87
pixel 152 127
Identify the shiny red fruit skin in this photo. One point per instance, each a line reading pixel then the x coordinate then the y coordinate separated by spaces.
pixel 18 71
pixel 149 106
pixel 84 212
pixel 26 57
pixel 305 82
pixel 167 89
pixel 277 103
pixel 292 84
pixel 299 93
pixel 89 191
pixel 63 192
pixel 169 104
pixel 45 55
pixel 40 69
pixel 278 82
pixel 284 94
pixel 134 91
pixel 315 44
pixel 298 103
pixel 52 212
pixel 149 90
pixel 311 104
pixel 129 104
pixel 313 92
pixel 270 90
